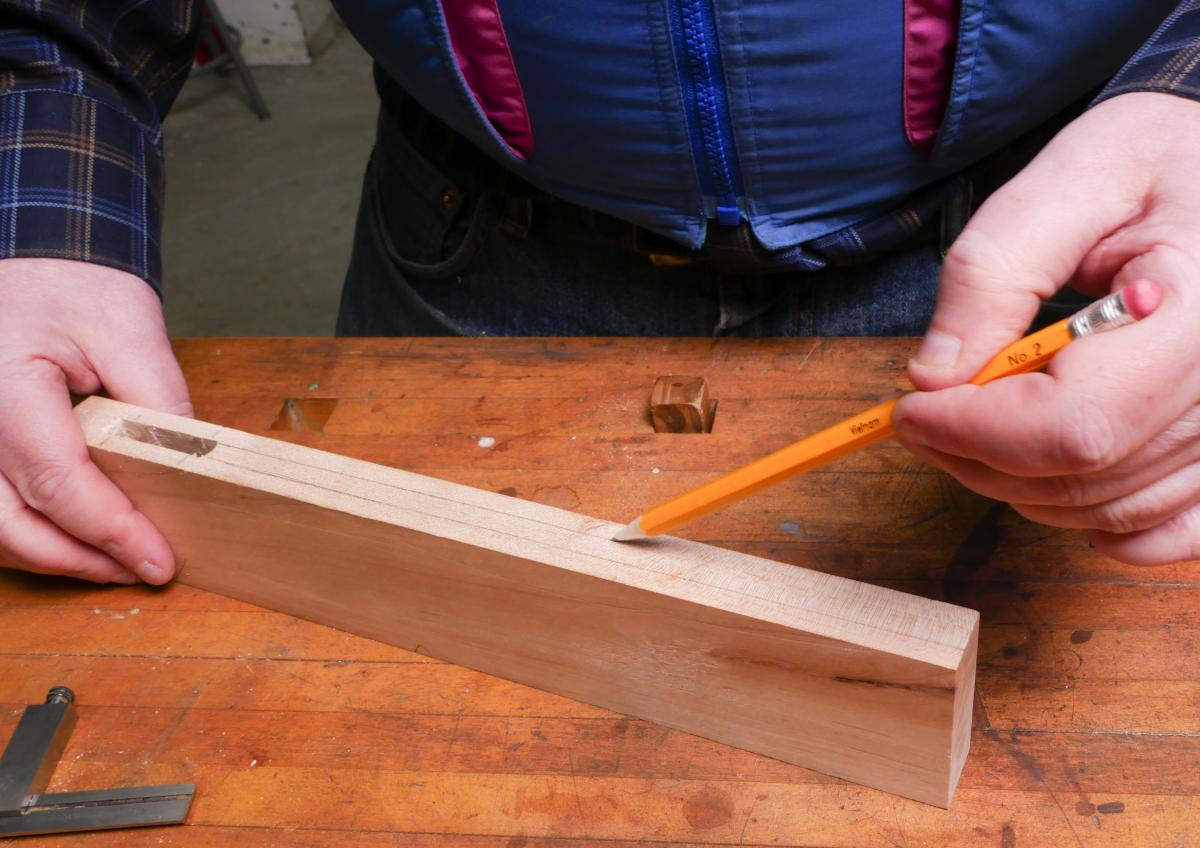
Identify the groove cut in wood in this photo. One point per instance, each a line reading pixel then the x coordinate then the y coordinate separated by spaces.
pixel 865 683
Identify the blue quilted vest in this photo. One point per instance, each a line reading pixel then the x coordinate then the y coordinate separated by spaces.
pixel 783 113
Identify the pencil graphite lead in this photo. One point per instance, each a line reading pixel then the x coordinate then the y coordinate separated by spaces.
pixel 631 532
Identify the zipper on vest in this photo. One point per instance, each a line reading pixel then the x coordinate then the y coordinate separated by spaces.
pixel 709 126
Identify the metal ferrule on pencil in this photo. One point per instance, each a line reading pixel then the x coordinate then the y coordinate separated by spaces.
pixel 1107 313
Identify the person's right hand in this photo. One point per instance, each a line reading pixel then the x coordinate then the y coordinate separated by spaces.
pixel 76 327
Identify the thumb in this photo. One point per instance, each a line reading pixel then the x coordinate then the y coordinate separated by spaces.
pixel 147 377
pixel 1020 248
pixel 132 355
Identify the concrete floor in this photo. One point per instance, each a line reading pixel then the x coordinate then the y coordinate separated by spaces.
pixel 260 214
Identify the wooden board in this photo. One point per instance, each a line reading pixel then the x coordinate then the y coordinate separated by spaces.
pixel 855 680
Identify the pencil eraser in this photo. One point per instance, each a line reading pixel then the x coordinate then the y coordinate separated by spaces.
pixel 1141 298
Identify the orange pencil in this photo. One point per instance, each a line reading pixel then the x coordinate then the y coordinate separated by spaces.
pixel 874 425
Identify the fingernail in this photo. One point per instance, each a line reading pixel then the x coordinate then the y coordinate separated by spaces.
pixel 149 572
pixel 939 350
pixel 125 577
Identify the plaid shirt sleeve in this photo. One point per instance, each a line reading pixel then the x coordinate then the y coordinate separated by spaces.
pixel 83 87
pixel 1169 61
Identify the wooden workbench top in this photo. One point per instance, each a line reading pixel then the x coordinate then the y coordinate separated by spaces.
pixel 1087 718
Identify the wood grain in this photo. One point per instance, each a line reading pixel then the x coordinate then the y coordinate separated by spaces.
pixel 200 687
pixel 859 681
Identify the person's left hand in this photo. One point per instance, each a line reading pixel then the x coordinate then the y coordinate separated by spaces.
pixel 1108 439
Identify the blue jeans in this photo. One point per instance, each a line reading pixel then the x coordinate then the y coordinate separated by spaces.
pixel 436 252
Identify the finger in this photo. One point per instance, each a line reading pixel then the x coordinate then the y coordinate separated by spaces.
pixel 1022 245
pixel 1140 510
pixel 1019 426
pixel 1174 540
pixel 30 542
pixel 1176 447
pixel 144 371
pixel 43 455
pixel 1096 271
pixel 1070 490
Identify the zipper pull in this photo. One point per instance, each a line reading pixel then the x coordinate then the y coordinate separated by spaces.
pixel 727 211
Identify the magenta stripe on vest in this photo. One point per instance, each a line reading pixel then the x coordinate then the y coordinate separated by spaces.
pixel 481 49
pixel 930 33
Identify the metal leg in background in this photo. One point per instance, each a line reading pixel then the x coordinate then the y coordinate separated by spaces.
pixel 232 41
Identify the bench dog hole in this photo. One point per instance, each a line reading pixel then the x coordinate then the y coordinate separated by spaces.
pixel 300 415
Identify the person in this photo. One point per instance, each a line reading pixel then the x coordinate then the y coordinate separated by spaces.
pixel 690 167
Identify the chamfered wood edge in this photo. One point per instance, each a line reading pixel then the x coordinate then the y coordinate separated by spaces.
pixel 963 712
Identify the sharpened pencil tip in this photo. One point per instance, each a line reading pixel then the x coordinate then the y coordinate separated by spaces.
pixel 631 532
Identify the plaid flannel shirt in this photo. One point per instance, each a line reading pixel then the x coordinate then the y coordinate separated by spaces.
pixel 84 85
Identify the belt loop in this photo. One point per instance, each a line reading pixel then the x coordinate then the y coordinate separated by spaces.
pixel 956 212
